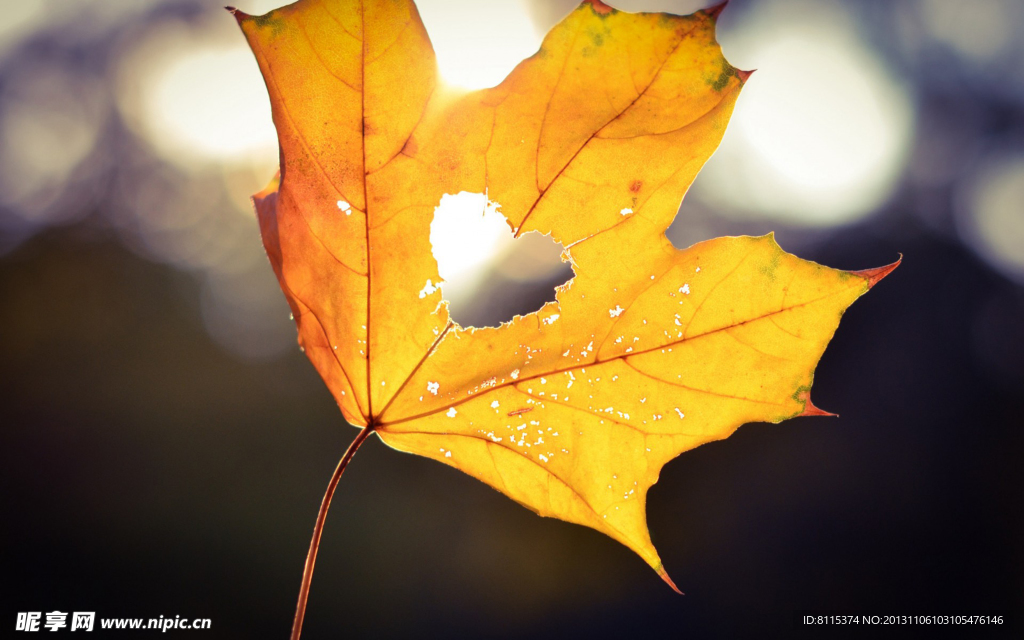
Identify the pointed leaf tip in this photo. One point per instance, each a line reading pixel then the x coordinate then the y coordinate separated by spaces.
pixel 715 11
pixel 809 408
pixel 239 15
pixel 876 274
pixel 668 580
pixel 743 75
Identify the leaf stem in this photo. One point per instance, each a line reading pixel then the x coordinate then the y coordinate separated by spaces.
pixel 318 529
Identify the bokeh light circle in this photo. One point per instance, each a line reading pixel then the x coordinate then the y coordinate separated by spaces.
pixel 196 94
pixel 822 131
pixel 990 213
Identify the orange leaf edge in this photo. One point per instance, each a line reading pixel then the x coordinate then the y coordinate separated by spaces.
pixel 664 576
pixel 599 7
pixel 714 11
pixel 810 409
pixel 875 275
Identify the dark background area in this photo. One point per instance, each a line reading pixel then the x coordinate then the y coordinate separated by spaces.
pixel 153 464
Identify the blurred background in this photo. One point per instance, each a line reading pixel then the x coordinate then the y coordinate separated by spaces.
pixel 164 444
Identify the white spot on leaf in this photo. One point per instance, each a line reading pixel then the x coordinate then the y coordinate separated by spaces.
pixel 428 289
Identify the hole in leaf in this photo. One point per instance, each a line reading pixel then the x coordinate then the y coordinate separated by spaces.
pixel 489 276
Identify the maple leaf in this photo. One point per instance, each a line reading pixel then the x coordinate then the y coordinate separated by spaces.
pixel 648 351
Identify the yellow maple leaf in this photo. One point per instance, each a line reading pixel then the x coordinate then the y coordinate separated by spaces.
pixel 649 351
